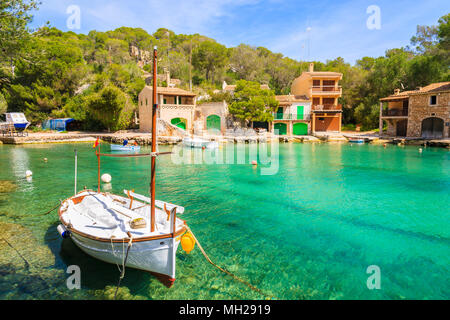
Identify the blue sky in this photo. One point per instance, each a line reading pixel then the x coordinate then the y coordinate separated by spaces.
pixel 336 28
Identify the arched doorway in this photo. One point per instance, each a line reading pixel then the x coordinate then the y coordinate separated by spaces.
pixel 300 129
pixel 179 122
pixel 432 128
pixel 213 122
pixel 281 127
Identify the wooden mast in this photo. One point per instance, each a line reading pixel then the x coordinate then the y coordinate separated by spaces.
pixel 153 162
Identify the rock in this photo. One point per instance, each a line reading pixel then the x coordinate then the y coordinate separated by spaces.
pixel 21 250
pixel 123 293
pixel 7 186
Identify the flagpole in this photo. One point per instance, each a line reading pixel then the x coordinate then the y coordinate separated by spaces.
pixel 97 152
pixel 76 158
pixel 153 161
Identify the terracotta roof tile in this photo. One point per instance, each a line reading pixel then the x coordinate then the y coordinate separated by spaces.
pixel 172 91
pixel 434 87
pixel 291 98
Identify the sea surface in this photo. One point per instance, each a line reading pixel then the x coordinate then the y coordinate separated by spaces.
pixel 324 224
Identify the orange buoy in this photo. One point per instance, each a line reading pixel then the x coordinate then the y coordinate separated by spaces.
pixel 254 163
pixel 187 242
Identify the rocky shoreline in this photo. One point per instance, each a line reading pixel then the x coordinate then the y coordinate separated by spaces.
pixel 145 138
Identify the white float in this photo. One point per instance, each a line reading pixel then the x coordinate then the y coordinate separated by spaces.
pixel 28 173
pixel 106 178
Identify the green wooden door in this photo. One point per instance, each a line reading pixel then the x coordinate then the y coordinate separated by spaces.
pixel 281 127
pixel 300 129
pixel 279 113
pixel 179 122
pixel 300 112
pixel 213 122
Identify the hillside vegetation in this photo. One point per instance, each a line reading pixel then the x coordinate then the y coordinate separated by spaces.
pixel 94 77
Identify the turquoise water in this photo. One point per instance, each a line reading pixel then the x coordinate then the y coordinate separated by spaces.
pixel 307 232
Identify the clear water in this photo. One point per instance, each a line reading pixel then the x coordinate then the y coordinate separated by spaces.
pixel 308 232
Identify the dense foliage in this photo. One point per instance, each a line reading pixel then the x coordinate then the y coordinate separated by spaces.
pixel 251 103
pixel 50 73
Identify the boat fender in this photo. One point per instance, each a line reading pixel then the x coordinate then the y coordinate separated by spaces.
pixel 63 232
pixel 187 242
pixel 106 178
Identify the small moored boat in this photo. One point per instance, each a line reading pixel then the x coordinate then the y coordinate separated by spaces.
pixel 133 231
pixel 356 140
pixel 118 147
pixel 200 143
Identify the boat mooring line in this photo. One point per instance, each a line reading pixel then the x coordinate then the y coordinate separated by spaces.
pixel 23 258
pixel 226 271
pixel 43 214
pixel 122 273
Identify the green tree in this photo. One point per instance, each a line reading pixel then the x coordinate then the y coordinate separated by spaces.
pixel 3 104
pixel 209 57
pixel 14 17
pixel 251 103
pixel 107 106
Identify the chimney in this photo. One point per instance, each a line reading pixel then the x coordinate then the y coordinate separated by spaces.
pixel 311 67
pixel 167 77
pixel 397 92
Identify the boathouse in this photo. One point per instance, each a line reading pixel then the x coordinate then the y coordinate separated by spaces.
pixel 176 106
pixel 421 113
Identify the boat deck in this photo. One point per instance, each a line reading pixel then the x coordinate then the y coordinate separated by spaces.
pixel 108 216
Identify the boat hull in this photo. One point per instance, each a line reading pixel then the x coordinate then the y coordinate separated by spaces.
pixel 196 143
pixel 115 147
pixel 155 256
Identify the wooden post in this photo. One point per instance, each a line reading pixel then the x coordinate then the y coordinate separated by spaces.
pixel 340 121
pixel 381 120
pixel 153 161
pixel 313 123
pixel 98 171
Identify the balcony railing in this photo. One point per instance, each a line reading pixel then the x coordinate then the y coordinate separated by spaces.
pixel 279 116
pixel 327 107
pixel 395 113
pixel 326 88
pixel 173 105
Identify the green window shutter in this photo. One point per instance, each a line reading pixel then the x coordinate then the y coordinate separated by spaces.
pixel 300 112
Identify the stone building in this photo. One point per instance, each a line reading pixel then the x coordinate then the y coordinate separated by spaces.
pixel 175 106
pixel 211 117
pixel 312 105
pixel 293 116
pixel 424 112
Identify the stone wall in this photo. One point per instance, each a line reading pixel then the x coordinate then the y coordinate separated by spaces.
pixel 419 109
pixel 204 110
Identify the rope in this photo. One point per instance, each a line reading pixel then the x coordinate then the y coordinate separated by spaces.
pixel 226 271
pixel 122 273
pixel 27 264
pixel 43 214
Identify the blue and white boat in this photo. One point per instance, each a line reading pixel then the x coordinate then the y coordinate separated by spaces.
pixel 18 119
pixel 118 147
pixel 356 140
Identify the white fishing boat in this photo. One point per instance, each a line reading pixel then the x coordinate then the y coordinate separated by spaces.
pixel 103 224
pixel 200 143
pixel 128 148
pixel 133 231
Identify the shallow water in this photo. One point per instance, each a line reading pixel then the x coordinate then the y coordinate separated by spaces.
pixel 307 232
